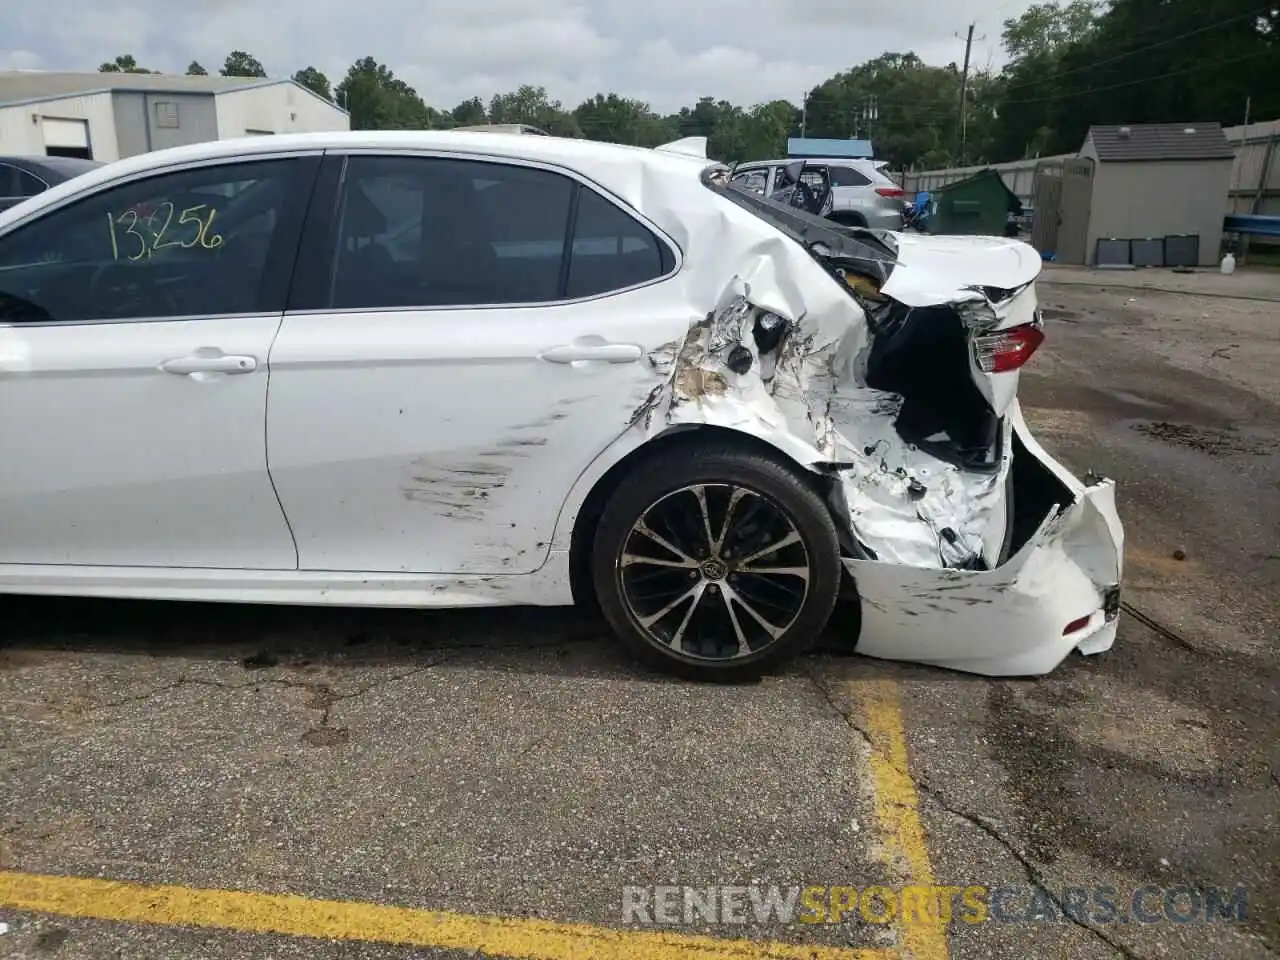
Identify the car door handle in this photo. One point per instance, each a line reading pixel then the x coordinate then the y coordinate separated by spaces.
pixel 221 363
pixel 593 349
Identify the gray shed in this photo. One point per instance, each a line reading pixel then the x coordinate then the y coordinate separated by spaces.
pixel 1156 197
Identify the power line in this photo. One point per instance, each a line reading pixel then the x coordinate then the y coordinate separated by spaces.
pixel 1131 83
pixel 1057 74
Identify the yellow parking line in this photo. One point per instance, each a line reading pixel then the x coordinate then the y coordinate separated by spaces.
pixel 343 920
pixel 897 807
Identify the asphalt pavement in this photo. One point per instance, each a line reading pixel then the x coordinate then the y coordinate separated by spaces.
pixel 232 782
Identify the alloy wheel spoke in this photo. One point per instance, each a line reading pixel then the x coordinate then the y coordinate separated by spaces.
pixel 632 559
pixel 734 499
pixel 727 596
pixel 643 528
pixel 801 572
pixel 774 631
pixel 677 638
pixel 700 494
pixel 694 591
pixel 788 540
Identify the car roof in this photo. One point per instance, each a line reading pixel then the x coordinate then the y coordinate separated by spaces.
pixel 622 170
pixel 851 161
pixel 573 153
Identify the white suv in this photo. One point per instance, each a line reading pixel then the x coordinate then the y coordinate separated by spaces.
pixel 861 195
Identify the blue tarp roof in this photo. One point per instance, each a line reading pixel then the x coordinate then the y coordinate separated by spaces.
pixel 817 147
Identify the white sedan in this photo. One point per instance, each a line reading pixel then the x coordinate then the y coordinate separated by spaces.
pixel 436 369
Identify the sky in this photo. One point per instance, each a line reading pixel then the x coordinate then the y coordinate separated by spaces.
pixel 665 52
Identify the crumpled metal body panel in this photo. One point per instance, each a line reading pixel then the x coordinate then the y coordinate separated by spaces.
pixel 1008 621
pixel 809 398
pixel 925 519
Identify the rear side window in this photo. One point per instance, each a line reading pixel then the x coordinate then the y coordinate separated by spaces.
pixel 436 232
pixel 848 177
pixel 611 250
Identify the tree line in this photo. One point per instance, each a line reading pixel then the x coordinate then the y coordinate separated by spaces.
pixel 1071 63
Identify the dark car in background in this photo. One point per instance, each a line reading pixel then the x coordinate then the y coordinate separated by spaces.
pixel 23 177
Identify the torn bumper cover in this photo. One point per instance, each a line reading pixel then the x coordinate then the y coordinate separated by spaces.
pixel 1059 592
pixel 861 355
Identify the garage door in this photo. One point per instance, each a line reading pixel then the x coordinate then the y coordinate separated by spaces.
pixel 65 134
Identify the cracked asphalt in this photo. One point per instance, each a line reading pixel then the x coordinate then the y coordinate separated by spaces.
pixel 514 763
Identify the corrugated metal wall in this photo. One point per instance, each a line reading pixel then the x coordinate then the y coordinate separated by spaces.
pixel 1018 175
pixel 282 108
pixel 1258 153
pixel 20 125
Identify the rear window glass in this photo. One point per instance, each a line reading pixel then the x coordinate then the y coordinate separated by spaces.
pixel 847 177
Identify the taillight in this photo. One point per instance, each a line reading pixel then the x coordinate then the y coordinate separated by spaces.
pixel 1075 625
pixel 891 191
pixel 1006 350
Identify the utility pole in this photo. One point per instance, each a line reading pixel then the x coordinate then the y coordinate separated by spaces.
pixel 964 97
pixel 804 113
pixel 870 113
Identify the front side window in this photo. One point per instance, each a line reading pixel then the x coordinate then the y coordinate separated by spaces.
pixel 184 244
pixel 432 232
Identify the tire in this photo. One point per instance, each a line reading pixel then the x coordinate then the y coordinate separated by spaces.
pixel 776 518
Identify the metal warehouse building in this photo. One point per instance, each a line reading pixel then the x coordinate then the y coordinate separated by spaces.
pixel 109 116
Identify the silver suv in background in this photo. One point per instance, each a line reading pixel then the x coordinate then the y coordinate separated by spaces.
pixel 861 195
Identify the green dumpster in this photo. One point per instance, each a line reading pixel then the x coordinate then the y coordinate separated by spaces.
pixel 979 206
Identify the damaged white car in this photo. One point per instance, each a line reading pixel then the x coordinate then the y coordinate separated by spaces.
pixel 453 368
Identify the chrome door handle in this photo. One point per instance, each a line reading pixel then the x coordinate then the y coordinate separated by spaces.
pixel 593 349
pixel 225 363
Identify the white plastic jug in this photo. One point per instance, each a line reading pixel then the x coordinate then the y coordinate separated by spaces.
pixel 1229 264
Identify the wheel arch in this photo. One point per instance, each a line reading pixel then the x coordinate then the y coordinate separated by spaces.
pixel 587 517
pixel 848 218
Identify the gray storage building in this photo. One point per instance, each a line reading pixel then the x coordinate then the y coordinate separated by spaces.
pixel 1157 195
pixel 109 116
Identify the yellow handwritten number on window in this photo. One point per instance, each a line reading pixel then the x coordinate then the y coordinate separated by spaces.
pixel 126 235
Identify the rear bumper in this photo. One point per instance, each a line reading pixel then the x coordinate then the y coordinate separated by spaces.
pixel 1060 592
pixel 883 219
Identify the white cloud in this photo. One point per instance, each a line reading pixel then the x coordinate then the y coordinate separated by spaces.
pixel 668 52
pixel 20 60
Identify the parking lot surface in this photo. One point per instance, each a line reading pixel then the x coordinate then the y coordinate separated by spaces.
pixel 490 782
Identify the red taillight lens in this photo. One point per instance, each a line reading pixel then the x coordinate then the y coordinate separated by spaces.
pixel 1007 350
pixel 891 191
pixel 1075 625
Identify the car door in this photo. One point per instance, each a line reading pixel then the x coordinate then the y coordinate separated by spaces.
pixel 135 324
pixel 477 343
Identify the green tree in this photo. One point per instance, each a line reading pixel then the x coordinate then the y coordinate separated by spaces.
pixel 379 100
pixel 1140 61
pixel 195 70
pixel 469 113
pixel 620 120
pixel 241 64
pixel 764 129
pixel 531 105
pixel 907 108
pixel 315 81
pixel 1047 28
pixel 124 64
